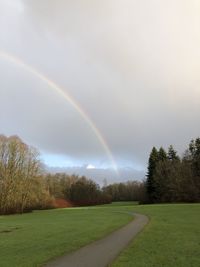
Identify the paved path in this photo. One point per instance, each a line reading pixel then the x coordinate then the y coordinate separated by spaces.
pixel 102 252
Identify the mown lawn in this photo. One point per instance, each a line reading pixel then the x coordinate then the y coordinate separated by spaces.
pixel 171 239
pixel 32 239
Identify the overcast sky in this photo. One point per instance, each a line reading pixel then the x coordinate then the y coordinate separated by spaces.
pixel 132 66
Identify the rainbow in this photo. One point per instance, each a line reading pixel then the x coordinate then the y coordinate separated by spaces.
pixel 62 92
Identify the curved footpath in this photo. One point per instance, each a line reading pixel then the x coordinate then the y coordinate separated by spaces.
pixel 103 252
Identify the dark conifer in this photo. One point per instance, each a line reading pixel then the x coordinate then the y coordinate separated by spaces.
pixel 162 155
pixel 172 154
pixel 153 160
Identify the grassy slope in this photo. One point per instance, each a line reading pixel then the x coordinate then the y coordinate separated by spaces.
pixel 41 235
pixel 171 239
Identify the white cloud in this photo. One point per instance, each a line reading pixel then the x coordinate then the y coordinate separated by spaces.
pixel 90 167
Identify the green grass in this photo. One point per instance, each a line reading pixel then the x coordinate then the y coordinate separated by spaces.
pixel 171 239
pixel 117 204
pixel 31 239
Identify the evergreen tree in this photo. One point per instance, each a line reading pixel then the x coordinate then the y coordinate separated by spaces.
pixel 171 179
pixel 192 148
pixel 196 165
pixel 159 178
pixel 172 154
pixel 150 183
pixel 197 148
pixel 162 155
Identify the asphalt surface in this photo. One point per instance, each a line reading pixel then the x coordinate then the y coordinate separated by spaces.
pixel 104 251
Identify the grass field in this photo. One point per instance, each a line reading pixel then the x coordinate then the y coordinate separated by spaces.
pixel 31 239
pixel 171 239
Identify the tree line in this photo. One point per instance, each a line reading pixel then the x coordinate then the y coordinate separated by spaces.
pixel 83 191
pixel 79 190
pixel 127 191
pixel 172 178
pixel 24 185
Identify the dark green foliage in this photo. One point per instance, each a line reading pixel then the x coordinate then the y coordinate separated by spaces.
pixel 172 154
pixel 172 179
pixel 168 182
pixel 162 155
pixel 150 183
pixel 153 159
pixel 194 162
pixel 87 192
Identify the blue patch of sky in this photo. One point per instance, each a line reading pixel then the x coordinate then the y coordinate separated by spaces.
pixel 63 161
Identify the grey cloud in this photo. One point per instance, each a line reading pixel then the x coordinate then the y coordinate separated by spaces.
pixel 132 65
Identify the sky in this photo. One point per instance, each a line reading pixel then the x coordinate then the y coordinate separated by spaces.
pixel 127 78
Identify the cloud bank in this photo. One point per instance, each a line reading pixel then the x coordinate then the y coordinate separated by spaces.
pixel 133 66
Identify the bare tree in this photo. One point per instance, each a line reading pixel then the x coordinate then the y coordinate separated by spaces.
pixel 19 172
